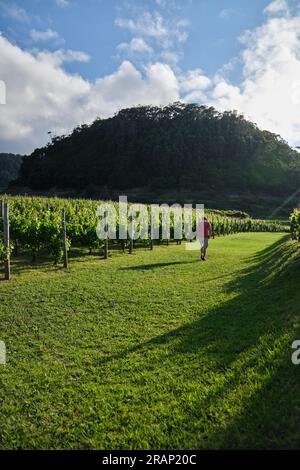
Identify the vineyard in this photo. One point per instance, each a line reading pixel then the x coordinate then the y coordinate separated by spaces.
pixel 35 226
pixel 154 350
pixel 295 224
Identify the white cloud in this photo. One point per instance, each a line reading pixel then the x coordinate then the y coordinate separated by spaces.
pixel 155 26
pixel 14 12
pixel 164 35
pixel 127 87
pixel 47 35
pixel 277 6
pixel 224 93
pixel 269 93
pixel 41 96
pixel 147 24
pixel 136 45
pixel 172 4
pixel 171 57
pixel 59 57
pixel 270 88
pixel 194 80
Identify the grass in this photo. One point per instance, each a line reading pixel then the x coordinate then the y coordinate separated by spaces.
pixel 156 350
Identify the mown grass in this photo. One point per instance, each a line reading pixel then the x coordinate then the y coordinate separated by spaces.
pixel 156 350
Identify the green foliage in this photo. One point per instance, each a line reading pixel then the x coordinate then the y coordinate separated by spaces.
pixel 231 213
pixel 295 224
pixel 180 146
pixel 5 253
pixel 9 168
pixel 36 224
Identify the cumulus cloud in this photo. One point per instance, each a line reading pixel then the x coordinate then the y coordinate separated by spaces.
pixel 271 66
pixel 269 93
pixel 136 45
pixel 164 36
pixel 60 56
pixel 148 24
pixel 194 80
pixel 193 85
pixel 155 26
pixel 44 36
pixel 171 57
pixel 14 12
pixel 172 4
pixel 128 87
pixel 277 6
pixel 41 96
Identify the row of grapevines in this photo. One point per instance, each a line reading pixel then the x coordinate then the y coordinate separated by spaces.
pixel 35 224
pixel 295 224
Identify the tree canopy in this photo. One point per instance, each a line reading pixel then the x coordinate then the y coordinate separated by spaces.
pixel 180 146
pixel 9 168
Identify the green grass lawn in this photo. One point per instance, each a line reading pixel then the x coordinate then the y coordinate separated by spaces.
pixel 154 350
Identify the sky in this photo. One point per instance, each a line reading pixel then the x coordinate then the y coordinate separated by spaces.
pixel 66 62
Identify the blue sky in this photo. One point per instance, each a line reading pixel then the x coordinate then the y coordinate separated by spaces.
pixel 65 62
pixel 213 28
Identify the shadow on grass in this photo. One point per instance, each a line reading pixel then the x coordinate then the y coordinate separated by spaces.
pixel 44 261
pixel 24 262
pixel 249 334
pixel 143 267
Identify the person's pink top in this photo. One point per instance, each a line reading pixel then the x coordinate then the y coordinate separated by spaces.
pixel 204 229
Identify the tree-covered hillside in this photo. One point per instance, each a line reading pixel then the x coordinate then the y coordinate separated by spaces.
pixel 9 168
pixel 160 148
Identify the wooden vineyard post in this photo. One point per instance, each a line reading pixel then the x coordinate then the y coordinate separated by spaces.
pixel 64 235
pixel 106 239
pixel 6 240
pixel 151 235
pixel 106 248
pixel 131 236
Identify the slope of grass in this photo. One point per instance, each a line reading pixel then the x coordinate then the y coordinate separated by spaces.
pixel 155 350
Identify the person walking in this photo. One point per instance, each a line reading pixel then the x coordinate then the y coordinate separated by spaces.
pixel 204 231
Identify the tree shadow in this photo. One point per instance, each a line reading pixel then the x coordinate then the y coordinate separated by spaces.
pixel 251 331
pixel 44 261
pixel 223 321
pixel 270 416
pixel 143 267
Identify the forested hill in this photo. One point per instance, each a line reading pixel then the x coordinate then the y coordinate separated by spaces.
pixel 161 148
pixel 9 168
